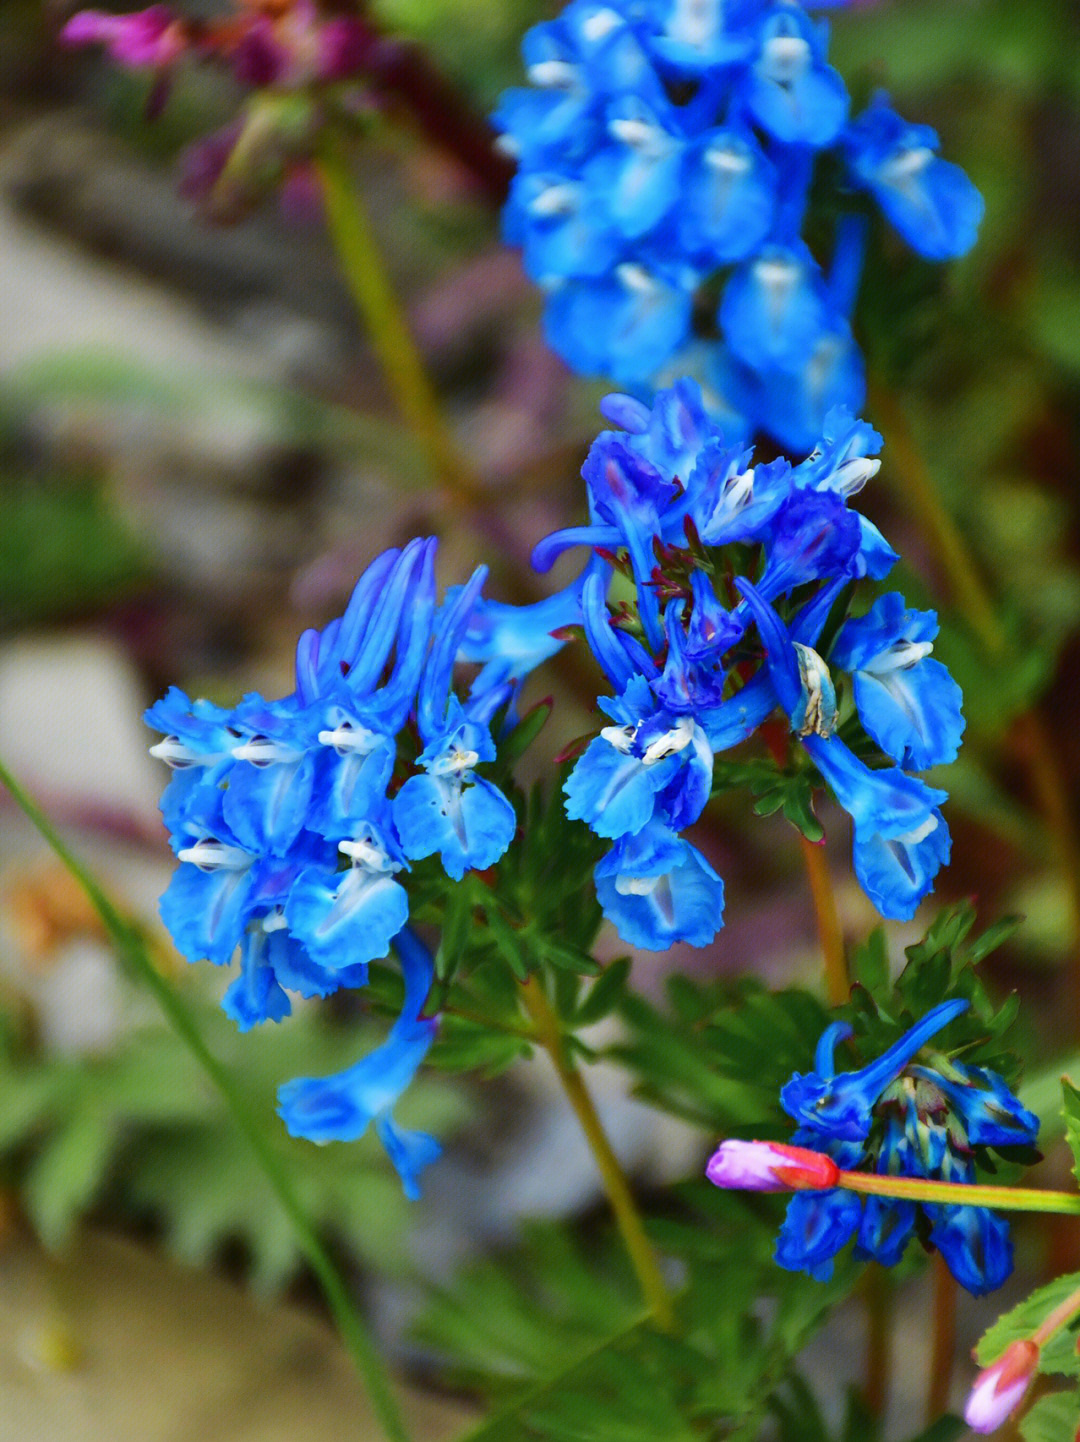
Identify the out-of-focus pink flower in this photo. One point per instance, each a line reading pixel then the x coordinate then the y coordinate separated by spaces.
pixel 999 1388
pixel 770 1167
pixel 344 46
pixel 145 40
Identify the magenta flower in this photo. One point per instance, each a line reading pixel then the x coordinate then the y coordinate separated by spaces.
pixel 999 1388
pixel 144 40
pixel 770 1167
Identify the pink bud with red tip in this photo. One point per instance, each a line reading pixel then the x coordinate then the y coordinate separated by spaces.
pixel 999 1388
pixel 771 1167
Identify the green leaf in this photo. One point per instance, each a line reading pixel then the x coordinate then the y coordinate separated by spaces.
pixel 605 993
pixel 525 733
pixel 870 962
pixel 67 1174
pixel 1055 1418
pixel 1059 1355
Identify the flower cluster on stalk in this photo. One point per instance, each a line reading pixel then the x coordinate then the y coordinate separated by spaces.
pixel 737 570
pixel 666 151
pixel 295 819
pixel 897 1118
pixel 294 59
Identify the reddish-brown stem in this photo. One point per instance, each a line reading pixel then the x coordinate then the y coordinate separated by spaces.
pixel 943 1350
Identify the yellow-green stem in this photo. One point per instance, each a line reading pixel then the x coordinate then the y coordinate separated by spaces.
pixel 135 955
pixel 961 1194
pixel 837 981
pixel 627 1217
pixel 360 256
pixel 1063 1313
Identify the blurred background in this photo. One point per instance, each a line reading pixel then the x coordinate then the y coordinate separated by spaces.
pixel 197 458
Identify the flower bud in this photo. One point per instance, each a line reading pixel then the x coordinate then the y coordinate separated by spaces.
pixel 999 1388
pixel 770 1167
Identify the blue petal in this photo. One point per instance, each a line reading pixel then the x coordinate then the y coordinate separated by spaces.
pixel 817 1225
pixel 728 197
pixel 346 918
pixel 267 806
pixel 255 996
pixel 897 872
pixel 975 1244
pixel 885 1230
pixel 659 890
pixel 410 1152
pixel 205 912
pixel 612 791
pixel 469 824
pixel 775 308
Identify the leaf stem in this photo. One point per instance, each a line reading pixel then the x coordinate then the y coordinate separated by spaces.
pixel 837 981
pixel 962 1194
pixel 134 953
pixel 627 1217
pixel 360 257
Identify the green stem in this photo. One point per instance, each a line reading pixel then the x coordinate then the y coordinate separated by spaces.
pixel 361 262
pixel 133 951
pixel 627 1217
pixel 961 1194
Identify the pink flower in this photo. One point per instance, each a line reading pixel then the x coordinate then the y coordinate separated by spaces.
pixel 999 1388
pixel 147 39
pixel 770 1167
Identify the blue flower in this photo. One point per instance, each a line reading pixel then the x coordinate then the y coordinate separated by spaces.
pixel 788 88
pixel 340 1108
pixel 449 809
pixel 906 1120
pixel 841 1106
pixel 901 839
pixel 658 889
pixel 907 702
pixel 930 201
pixel 664 139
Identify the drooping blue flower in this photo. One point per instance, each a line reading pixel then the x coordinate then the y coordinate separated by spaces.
pixel 340 1108
pixel 907 701
pixel 662 140
pixel 658 890
pixel 930 201
pixel 902 1119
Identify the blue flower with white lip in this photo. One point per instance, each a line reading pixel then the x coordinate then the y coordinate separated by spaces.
pixel 728 197
pixel 449 809
pixel 658 889
pixel 901 839
pixel 341 1107
pixel 788 88
pixel 624 325
pixel 907 701
pixel 930 201
pixel 347 918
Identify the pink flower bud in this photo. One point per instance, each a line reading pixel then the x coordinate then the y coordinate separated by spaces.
pixel 144 39
pixel 770 1167
pixel 999 1388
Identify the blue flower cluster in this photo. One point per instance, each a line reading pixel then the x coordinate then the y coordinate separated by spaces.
pixel 664 142
pixel 905 1120
pixel 290 842
pixel 683 513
